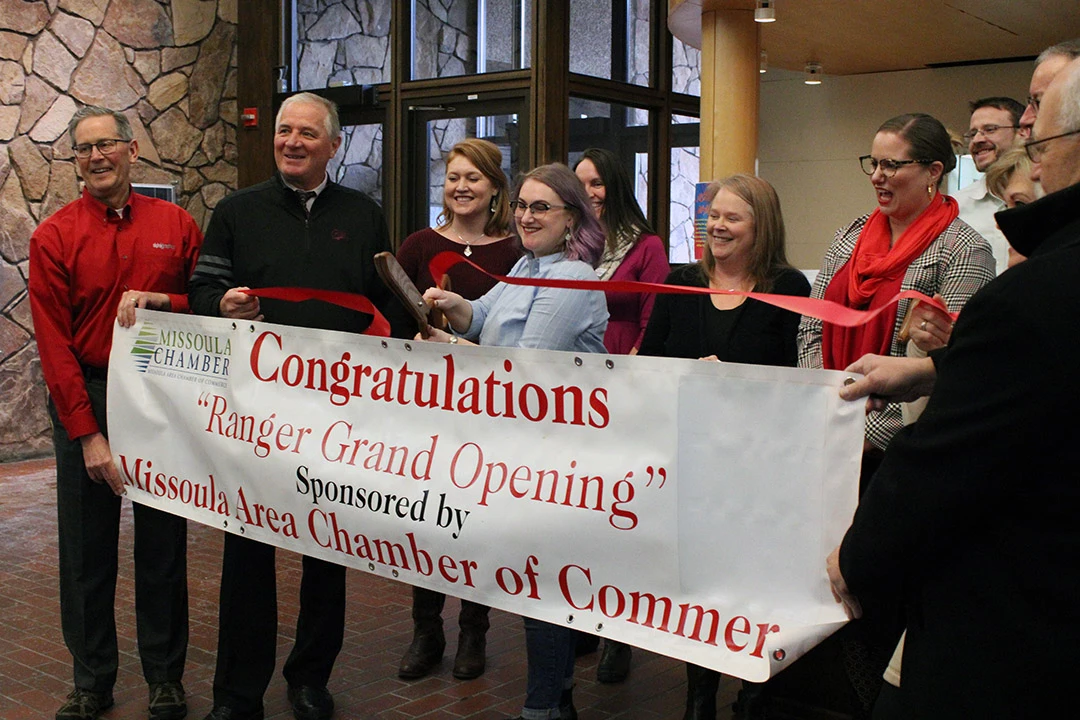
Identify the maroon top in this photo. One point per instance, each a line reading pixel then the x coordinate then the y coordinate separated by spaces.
pixel 418 249
pixel 629 312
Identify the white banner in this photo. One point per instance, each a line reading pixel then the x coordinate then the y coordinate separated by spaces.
pixel 682 506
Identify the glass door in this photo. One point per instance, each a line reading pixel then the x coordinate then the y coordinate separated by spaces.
pixel 435 125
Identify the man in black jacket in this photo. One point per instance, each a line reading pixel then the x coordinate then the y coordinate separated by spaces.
pixel 298 229
pixel 972 518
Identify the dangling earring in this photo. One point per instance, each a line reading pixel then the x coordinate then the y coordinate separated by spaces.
pixel 492 204
pixel 930 190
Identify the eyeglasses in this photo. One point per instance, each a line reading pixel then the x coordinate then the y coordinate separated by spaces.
pixel 1035 149
pixel 888 167
pixel 987 131
pixel 1034 103
pixel 105 147
pixel 538 208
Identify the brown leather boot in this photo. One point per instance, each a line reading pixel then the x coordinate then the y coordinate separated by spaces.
pixel 428 641
pixel 423 655
pixel 471 659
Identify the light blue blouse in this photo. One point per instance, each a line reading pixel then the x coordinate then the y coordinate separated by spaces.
pixel 542 318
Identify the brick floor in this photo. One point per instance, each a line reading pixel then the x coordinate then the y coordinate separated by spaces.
pixel 35 668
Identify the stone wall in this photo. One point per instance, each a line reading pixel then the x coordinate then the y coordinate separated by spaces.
pixel 170 66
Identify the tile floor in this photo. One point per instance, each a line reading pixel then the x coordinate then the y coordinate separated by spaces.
pixel 35 668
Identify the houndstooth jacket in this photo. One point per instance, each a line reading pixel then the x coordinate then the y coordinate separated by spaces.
pixel 956 264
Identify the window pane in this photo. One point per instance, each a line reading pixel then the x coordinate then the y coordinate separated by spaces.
pixel 358 162
pixel 466 37
pixel 342 43
pixel 685 171
pixel 610 39
pixel 622 129
pixel 443 134
pixel 685 68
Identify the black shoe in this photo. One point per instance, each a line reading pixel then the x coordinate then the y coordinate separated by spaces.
pixel 586 644
pixel 567 711
pixel 423 655
pixel 223 712
pixel 752 702
pixel 84 705
pixel 311 703
pixel 471 658
pixel 614 662
pixel 701 686
pixel 167 701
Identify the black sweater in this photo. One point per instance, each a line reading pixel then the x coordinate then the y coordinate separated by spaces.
pixel 757 333
pixel 260 237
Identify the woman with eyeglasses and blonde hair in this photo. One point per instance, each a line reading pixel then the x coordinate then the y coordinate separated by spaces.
pixel 563 241
pixel 476 220
pixel 913 240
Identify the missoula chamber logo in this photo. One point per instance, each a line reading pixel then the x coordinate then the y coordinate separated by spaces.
pixel 200 357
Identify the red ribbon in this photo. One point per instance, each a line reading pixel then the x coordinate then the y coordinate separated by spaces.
pixel 379 326
pixel 824 310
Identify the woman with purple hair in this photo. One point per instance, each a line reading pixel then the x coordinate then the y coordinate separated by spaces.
pixel 563 240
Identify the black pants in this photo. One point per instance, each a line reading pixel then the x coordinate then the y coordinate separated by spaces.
pixel 427 613
pixel 88 521
pixel 247 624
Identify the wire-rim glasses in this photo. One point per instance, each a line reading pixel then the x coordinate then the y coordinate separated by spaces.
pixel 105 147
pixel 1035 149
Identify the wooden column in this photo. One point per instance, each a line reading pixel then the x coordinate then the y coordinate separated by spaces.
pixel 257 51
pixel 730 52
pixel 549 95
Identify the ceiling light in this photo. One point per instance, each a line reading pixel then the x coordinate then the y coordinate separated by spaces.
pixel 763 66
pixel 813 73
pixel 765 11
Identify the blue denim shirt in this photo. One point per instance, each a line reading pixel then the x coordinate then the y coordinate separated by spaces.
pixel 542 318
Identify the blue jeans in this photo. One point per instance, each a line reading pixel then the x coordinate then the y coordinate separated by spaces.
pixel 550 650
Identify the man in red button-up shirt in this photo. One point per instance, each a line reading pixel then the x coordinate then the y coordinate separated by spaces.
pixel 93 261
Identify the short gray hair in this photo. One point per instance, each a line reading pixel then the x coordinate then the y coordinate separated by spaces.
pixel 1069 49
pixel 1069 117
pixel 333 124
pixel 123 125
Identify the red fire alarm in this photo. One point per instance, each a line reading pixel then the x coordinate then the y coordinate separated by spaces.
pixel 250 117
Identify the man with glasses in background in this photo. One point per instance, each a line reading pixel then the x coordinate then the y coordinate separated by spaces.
pixel 96 259
pixel 993 130
pixel 1047 66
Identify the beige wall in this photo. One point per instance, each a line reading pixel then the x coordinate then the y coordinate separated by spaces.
pixel 811 137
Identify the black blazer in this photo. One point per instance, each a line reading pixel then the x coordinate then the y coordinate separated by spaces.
pixel 761 334
pixel 973 520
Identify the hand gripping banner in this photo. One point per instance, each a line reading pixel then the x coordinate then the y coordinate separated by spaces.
pixel 682 506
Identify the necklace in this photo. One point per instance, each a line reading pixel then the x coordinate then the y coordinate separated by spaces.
pixel 740 286
pixel 468 244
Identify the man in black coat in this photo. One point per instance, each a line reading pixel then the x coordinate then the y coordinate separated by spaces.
pixel 298 229
pixel 972 520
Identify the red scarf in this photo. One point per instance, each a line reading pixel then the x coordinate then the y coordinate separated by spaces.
pixel 872 277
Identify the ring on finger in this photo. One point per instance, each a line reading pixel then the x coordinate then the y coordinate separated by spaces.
pixel 923 325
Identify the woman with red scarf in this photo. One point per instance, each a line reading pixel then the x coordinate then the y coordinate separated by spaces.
pixel 913 240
